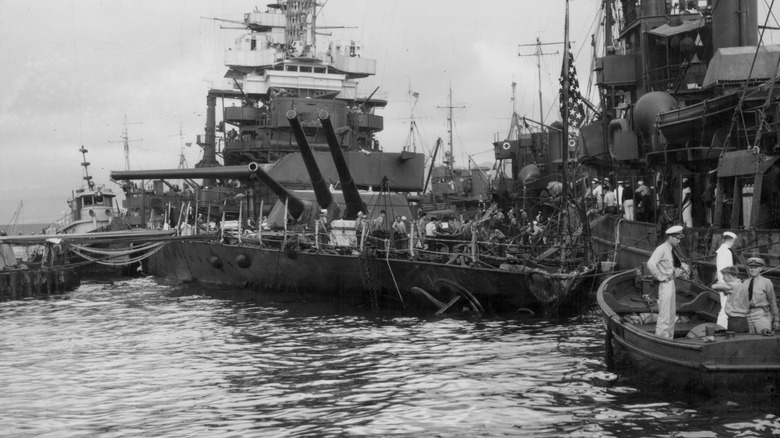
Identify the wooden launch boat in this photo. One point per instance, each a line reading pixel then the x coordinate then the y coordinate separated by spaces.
pixel 701 120
pixel 727 363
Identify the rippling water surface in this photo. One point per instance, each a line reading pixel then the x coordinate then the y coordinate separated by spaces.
pixel 138 358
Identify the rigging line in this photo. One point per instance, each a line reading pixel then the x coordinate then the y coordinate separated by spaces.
pixel 771 12
pixel 387 260
pixel 596 43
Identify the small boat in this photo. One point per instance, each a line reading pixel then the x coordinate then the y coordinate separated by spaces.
pixel 92 208
pixel 703 357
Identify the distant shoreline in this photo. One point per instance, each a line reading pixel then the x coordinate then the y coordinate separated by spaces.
pixel 25 229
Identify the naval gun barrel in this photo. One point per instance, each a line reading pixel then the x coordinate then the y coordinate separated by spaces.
pixel 200 172
pixel 295 205
pixel 321 190
pixel 351 195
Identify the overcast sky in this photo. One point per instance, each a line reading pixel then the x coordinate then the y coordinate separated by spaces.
pixel 72 70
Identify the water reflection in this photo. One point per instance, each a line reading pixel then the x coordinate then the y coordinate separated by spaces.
pixel 138 358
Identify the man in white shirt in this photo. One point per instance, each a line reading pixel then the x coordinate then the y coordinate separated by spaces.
pixel 724 259
pixel 598 194
pixel 431 231
pixel 687 204
pixel 610 201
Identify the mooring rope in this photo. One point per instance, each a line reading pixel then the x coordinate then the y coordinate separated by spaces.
pixel 117 252
pixel 108 262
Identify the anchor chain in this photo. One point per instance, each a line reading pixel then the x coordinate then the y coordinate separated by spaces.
pixel 369 278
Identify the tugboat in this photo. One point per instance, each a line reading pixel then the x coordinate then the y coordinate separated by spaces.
pixel 303 203
pixel 92 208
pixel 690 110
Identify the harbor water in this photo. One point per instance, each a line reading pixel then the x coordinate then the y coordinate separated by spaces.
pixel 138 358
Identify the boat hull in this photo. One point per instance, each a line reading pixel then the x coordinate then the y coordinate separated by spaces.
pixel 354 280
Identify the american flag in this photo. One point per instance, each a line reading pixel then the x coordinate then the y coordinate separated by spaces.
pixel 576 110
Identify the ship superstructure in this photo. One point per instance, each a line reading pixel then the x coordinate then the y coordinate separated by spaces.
pixel 277 66
pixel 690 109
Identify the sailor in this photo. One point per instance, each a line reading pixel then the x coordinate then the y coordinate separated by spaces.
pixel 431 231
pixel 404 229
pixel 627 201
pixel 323 226
pixel 642 201
pixel 512 217
pixel 665 266
pixel 725 257
pixel 687 203
pixel 379 225
pixel 737 305
pixel 610 201
pixel 421 222
pixel 598 194
pixel 590 196
pixel 536 230
pixel 399 232
pixel 359 221
pixel 763 316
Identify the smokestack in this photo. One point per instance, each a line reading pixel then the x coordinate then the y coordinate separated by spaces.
pixel 734 23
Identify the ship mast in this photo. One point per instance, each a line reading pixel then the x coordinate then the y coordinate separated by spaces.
pixel 538 53
pixel 514 124
pixel 301 26
pixel 449 157
pixel 126 141
pixel 565 119
pixel 410 143
pixel 85 163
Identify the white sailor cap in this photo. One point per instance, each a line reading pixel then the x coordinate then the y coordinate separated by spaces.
pixel 676 229
pixel 755 261
pixel 730 235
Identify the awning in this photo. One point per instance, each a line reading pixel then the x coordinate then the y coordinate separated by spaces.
pixel 740 163
pixel 666 30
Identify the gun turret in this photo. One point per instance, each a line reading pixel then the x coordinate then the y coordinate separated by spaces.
pixel 349 189
pixel 321 190
pixel 295 206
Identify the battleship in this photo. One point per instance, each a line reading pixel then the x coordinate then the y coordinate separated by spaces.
pixel 302 202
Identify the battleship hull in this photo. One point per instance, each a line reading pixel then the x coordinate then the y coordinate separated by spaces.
pixel 364 281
